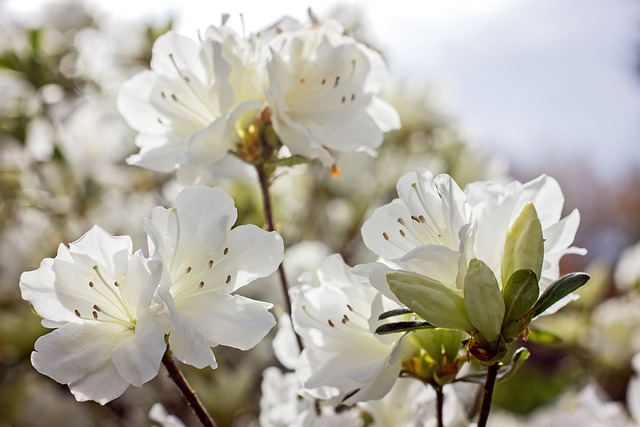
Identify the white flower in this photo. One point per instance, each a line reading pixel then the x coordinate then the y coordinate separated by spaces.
pixel 435 229
pixel 159 414
pixel 336 320
pixel 316 86
pixel 322 93
pixel 184 99
pixel 99 297
pixel 205 262
pixel 627 273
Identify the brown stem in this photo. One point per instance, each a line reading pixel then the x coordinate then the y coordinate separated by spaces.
pixel 268 214
pixel 439 405
pixel 490 382
pixel 188 393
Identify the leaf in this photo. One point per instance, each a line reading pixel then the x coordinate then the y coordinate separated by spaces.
pixel 483 300
pixel 431 300
pixel 519 357
pixel 504 373
pixel 405 326
pixel 439 341
pixel 558 290
pixel 395 312
pixel 523 245
pixel 520 294
pixel 291 161
pixel 543 337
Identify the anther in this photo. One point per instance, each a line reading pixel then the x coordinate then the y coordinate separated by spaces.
pixel 91 284
pixel 421 218
pixel 345 319
pixel 95 315
pixel 349 307
pixel 386 236
pixel 330 323
pixel 343 99
pixel 402 233
pixel 323 81
pixel 335 84
pixel 301 80
pixel 174 97
pixel 210 263
pixel 415 218
pixel 228 279
pixel 96 308
pixel 188 269
pixel 77 313
pixel 401 221
pixel 353 96
pixel 201 284
pixel 226 251
pixel 164 96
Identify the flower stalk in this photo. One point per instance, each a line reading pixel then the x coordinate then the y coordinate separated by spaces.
pixel 490 382
pixel 187 391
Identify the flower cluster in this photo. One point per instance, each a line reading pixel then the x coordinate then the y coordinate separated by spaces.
pixel 111 308
pixel 474 260
pixel 306 86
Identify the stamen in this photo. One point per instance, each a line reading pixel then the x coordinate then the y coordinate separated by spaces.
pixel 343 100
pixel 188 269
pixel 385 235
pixel 337 81
pixel 402 233
pixel 331 323
pixel 77 312
pixel 95 315
pixel 226 251
pixel 91 284
pixel 210 263
pixel 228 279
pixel 323 81
pixel 349 307
pixel 201 284
pixel 353 96
pixel 401 221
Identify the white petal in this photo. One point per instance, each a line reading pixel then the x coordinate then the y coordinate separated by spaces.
pixel 37 287
pixel 102 385
pixel 134 104
pixel 434 261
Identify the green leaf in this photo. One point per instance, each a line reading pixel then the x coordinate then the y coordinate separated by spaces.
pixel 519 294
pixel 519 357
pixel 558 290
pixel 395 312
pixel 504 373
pixel 405 326
pixel 434 302
pixel 291 161
pixel 543 337
pixel 483 300
pixel 523 245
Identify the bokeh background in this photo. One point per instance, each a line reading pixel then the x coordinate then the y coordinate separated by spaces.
pixel 490 89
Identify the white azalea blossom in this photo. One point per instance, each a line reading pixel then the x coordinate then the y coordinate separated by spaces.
pixel 336 319
pixel 98 295
pixel 317 87
pixel 435 229
pixel 205 262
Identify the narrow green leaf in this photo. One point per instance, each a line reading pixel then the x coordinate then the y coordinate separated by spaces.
pixel 558 290
pixel 431 300
pixel 519 357
pixel 543 337
pixel 523 245
pixel 405 326
pixel 483 300
pixel 395 312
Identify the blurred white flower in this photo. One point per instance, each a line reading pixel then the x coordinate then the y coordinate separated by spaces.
pixel 205 262
pixel 627 273
pixel 99 297
pixel 159 414
pixel 336 319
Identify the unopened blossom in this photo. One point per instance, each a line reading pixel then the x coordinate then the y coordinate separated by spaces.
pixel 205 262
pixel 108 331
pixel 336 319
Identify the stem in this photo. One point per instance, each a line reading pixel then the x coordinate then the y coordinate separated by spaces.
pixel 188 393
pixel 268 214
pixel 492 373
pixel 439 405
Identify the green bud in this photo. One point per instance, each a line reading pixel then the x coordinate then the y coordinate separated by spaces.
pixel 434 302
pixel 524 245
pixel 483 300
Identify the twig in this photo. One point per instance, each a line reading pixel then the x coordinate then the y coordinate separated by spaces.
pixel 490 382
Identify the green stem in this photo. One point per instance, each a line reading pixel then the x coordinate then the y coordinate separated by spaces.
pixel 268 214
pixel 489 384
pixel 439 405
pixel 189 394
